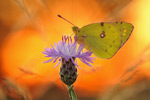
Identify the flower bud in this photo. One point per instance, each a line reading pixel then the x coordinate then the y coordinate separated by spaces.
pixel 68 71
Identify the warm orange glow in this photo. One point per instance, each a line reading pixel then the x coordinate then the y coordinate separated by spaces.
pixel 22 59
pixel 23 50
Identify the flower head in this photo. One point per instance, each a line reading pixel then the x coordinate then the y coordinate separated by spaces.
pixel 67 49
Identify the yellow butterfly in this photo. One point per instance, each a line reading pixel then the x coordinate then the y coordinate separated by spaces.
pixel 105 38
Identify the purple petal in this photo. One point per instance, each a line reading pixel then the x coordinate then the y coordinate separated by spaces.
pixel 70 39
pixel 80 49
pixel 58 63
pixel 48 60
pixel 62 38
pixel 55 59
pixel 75 63
pixel 52 46
pixel 84 61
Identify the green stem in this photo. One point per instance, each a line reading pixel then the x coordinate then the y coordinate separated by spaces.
pixel 72 94
pixel 69 90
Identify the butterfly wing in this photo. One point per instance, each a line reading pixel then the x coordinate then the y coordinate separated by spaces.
pixel 126 29
pixel 105 39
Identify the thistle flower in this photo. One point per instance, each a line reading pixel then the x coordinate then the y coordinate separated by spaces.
pixel 66 51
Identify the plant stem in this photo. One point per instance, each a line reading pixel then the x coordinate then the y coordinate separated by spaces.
pixel 72 94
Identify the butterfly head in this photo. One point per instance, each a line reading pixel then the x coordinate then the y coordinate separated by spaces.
pixel 76 30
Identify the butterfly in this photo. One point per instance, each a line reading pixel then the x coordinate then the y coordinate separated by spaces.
pixel 104 38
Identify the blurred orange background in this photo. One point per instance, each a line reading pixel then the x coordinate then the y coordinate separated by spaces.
pixel 27 27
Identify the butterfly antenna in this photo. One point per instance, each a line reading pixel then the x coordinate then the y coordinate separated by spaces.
pixel 65 19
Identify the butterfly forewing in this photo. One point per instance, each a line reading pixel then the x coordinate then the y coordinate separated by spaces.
pixel 126 29
pixel 104 38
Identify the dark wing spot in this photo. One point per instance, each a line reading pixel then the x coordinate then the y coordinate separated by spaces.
pixel 110 46
pixel 83 36
pixel 102 24
pixel 106 50
pixel 113 41
pixel 102 35
pixel 109 27
pixel 116 22
pixel 120 22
